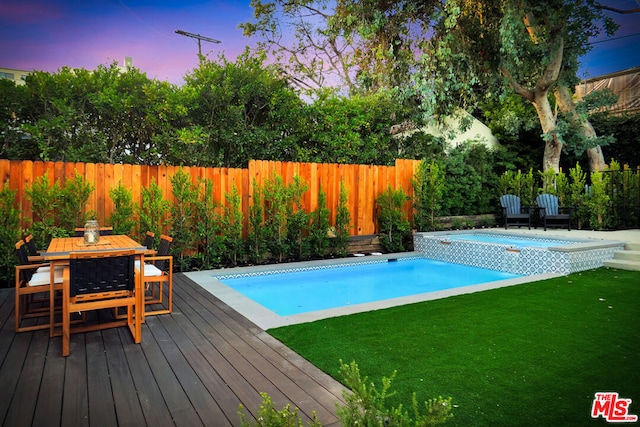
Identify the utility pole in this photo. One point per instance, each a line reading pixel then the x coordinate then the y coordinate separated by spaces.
pixel 199 38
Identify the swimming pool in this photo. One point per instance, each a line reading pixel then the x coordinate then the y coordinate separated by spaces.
pixel 286 278
pixel 527 264
pixel 312 290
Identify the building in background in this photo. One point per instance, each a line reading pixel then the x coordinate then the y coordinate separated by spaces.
pixel 19 76
pixel 625 84
pixel 15 75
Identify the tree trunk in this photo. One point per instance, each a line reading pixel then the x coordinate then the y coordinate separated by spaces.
pixel 568 107
pixel 553 145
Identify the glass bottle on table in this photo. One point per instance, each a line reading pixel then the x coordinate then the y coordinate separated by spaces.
pixel 91 232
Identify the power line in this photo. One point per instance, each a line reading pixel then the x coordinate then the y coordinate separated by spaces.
pixel 615 38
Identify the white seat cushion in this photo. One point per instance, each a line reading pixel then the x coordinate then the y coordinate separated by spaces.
pixel 46 269
pixel 150 270
pixel 41 278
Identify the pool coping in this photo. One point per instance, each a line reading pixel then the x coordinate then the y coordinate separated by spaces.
pixel 267 319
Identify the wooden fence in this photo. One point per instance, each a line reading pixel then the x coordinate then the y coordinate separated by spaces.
pixel 362 182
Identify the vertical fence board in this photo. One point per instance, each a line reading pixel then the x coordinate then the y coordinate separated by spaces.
pixel 136 184
pixel 100 189
pixel 5 171
pixel 25 173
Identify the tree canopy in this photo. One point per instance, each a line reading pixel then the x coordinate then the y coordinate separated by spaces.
pixel 448 55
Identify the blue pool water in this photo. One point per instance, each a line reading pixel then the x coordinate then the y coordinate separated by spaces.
pixel 508 240
pixel 312 290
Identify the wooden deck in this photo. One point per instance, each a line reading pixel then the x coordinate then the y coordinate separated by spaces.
pixel 193 367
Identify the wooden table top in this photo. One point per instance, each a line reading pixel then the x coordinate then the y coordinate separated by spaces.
pixel 61 247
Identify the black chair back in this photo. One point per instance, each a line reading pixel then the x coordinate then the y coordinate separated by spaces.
pixel 105 272
pixel 149 240
pixel 31 245
pixel 23 258
pixel 164 249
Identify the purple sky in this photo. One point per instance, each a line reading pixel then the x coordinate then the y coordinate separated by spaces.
pixel 49 34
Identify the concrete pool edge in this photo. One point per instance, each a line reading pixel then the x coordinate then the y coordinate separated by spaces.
pixel 267 319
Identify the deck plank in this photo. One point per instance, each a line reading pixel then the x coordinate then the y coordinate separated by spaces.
pixel 99 382
pixel 49 404
pixel 203 403
pixel 150 397
pixel 24 399
pixel 193 367
pixel 270 367
pixel 125 395
pixel 75 395
pixel 177 401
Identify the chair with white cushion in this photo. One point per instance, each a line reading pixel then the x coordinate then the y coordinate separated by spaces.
pixel 33 280
pixel 157 270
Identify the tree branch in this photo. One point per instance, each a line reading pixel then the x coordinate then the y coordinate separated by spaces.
pixel 552 71
pixel 520 89
pixel 616 10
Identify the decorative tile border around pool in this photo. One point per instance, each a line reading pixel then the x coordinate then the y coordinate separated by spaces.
pixel 568 256
pixel 309 265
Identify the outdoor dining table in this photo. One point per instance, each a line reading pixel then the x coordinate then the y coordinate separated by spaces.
pixel 58 254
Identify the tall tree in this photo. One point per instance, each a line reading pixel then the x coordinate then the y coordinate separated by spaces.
pixel 353 45
pixel 489 48
pixel 239 111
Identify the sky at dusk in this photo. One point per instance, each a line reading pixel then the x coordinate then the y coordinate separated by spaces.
pixel 49 34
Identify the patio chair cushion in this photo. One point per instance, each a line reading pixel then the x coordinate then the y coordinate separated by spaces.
pixel 41 278
pixel 150 270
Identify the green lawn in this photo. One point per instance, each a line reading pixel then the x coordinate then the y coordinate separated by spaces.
pixel 527 355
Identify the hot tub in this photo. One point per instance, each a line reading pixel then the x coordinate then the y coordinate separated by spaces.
pixel 517 254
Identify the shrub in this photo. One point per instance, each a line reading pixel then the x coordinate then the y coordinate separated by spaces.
pixel 342 225
pixel 73 200
pixel 319 227
pixel 366 405
pixel 45 199
pixel 183 209
pixel 232 223
pixel 598 201
pixel 285 220
pixel 257 233
pixel 122 218
pixel 268 416
pixel 9 234
pixel 153 211
pixel 207 227
pixel 394 226
pixel 428 188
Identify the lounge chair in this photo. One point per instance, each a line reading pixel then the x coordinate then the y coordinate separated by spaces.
pixel 551 214
pixel 513 212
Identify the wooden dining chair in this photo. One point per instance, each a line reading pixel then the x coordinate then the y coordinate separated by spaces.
pixel 34 293
pixel 32 250
pixel 97 280
pixel 149 240
pixel 157 270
